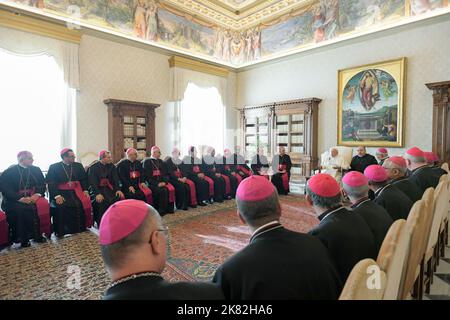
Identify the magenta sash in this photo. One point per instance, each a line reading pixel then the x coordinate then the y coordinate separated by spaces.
pixel 134 174
pixel 193 193
pixel 85 201
pixel 156 173
pixel 227 184
pixel 171 192
pixel 284 177
pixel 211 185
pixel 104 182
pixel 147 193
pixel 4 229
pixel 196 169
pixel 43 211
pixel 178 174
pixel 238 178
pixel 244 170
pixel 227 167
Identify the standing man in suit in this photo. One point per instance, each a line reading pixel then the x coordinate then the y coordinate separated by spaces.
pixel 396 203
pixel 362 160
pixel 277 263
pixel 356 186
pixel 133 244
pixel 396 170
pixel 347 236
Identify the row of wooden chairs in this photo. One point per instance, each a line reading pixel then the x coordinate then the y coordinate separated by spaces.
pixel 409 254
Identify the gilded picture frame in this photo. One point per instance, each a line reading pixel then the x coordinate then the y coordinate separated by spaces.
pixel 371 104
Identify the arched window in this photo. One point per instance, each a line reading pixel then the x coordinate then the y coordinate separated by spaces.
pixel 202 118
pixel 34 100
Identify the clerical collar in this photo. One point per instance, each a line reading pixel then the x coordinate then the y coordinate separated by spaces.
pixel 22 166
pixel 380 190
pixel 399 179
pixel 266 228
pixel 153 158
pixel 360 202
pixel 66 164
pixel 418 169
pixel 327 213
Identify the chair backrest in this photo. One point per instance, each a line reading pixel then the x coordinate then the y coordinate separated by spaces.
pixel 428 198
pixel 365 282
pixel 440 210
pixel 414 226
pixel 392 258
pixel 445 166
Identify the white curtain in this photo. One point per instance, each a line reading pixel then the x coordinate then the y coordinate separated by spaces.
pixel 199 101
pixel 53 66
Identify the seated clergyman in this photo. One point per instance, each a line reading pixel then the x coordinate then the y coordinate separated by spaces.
pixel 134 245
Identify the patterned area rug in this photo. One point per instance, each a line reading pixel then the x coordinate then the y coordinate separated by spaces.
pixel 199 241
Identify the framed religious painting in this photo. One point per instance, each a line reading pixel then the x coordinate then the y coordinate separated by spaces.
pixel 371 104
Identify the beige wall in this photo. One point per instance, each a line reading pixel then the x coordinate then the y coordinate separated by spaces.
pixel 119 71
pixel 314 74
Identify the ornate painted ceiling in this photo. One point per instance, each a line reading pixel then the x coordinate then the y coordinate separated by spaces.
pixel 235 33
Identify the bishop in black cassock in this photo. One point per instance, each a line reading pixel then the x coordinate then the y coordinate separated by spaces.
pixel 192 169
pixel 259 163
pixel 225 169
pixel 70 202
pixel 210 168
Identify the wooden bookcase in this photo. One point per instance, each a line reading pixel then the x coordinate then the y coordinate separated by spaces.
pixel 130 124
pixel 292 124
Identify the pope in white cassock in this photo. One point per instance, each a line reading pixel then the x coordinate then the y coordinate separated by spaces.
pixel 333 164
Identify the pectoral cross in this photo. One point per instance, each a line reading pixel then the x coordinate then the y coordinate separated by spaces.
pixel 133 175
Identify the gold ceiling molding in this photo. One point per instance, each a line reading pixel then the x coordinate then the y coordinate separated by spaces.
pixel 37 26
pixel 181 62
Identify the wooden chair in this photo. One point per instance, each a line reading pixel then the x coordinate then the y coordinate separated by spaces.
pixel 443 232
pixel 432 250
pixel 366 282
pixel 415 225
pixel 445 167
pixel 392 258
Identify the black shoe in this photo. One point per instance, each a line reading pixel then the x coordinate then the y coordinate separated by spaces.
pixel 25 244
pixel 202 204
pixel 40 239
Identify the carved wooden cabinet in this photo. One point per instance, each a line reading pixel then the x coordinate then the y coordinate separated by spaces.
pixel 441 119
pixel 292 124
pixel 130 125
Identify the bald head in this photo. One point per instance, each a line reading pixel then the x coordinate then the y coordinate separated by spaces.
pixel 258 213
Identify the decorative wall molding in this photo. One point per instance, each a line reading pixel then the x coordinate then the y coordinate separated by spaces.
pixel 190 64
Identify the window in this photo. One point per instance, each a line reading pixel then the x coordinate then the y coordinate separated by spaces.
pixel 202 118
pixel 34 108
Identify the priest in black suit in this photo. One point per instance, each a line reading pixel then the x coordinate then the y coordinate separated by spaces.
pixel 396 203
pixel 396 171
pixel 134 245
pixel 362 160
pixel 420 172
pixel 277 263
pixel 347 236
pixel 356 186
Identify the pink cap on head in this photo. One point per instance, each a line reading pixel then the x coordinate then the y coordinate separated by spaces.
pixel 155 148
pixel 102 153
pixel 324 185
pixel 382 151
pixel 399 161
pixel 130 150
pixel 431 157
pixel 64 151
pixel 376 173
pixel 226 151
pixel 254 188
pixel 121 219
pixel 24 154
pixel 415 152
pixel 355 179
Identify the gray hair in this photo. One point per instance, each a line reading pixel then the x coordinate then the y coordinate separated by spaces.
pixel 356 192
pixel 328 203
pixel 115 255
pixel 258 213
pixel 391 165
pixel 415 159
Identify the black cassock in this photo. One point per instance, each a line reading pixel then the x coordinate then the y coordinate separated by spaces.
pixel 425 177
pixel 408 187
pixel 376 217
pixel 131 174
pixel 23 219
pixel 156 288
pixel 396 203
pixel 225 169
pixel 155 173
pixel 258 163
pixel 210 169
pixel 190 168
pixel 281 181
pixel 104 180
pixel 239 166
pixel 280 264
pixel 361 163
pixel 69 217
pixel 182 190
pixel 347 237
